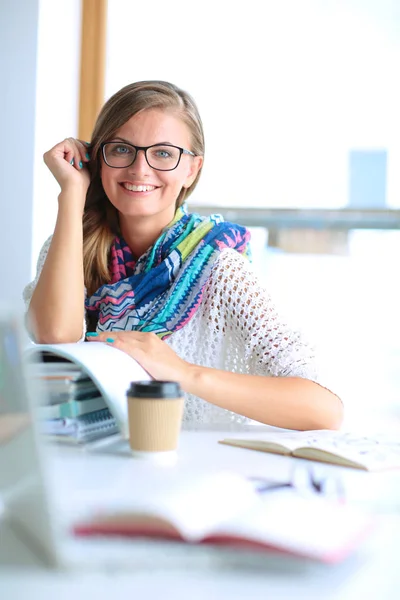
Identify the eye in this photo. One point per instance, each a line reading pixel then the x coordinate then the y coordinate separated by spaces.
pixel 118 150
pixel 121 149
pixel 162 153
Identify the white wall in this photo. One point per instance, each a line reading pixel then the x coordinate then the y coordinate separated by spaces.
pixel 302 82
pixel 18 60
pixel 57 103
pixel 39 75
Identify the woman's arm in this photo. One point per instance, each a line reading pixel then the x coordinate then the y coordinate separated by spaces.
pixel 289 402
pixel 56 310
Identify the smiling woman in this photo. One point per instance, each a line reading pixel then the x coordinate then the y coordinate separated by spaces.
pixel 172 289
pixel 145 181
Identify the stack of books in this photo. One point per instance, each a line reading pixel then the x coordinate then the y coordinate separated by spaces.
pixel 73 409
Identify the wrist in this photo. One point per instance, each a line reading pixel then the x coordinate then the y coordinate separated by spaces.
pixel 72 198
pixel 75 189
pixel 193 378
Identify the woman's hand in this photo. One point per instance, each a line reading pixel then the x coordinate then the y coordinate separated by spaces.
pixel 154 355
pixel 67 162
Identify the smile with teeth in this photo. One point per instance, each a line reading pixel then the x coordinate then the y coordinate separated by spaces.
pixel 138 188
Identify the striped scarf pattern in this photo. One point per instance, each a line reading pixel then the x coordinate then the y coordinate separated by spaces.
pixel 162 290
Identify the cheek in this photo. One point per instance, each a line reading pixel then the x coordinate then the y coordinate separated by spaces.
pixel 108 182
pixel 175 182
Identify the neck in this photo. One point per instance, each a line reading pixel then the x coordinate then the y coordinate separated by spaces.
pixel 141 233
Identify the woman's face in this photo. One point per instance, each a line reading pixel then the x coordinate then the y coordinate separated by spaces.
pixel 158 190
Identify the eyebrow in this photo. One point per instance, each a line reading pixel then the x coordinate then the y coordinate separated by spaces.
pixel 132 144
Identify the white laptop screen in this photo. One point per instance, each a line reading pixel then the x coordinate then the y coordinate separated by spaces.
pixel 23 499
pixel 14 406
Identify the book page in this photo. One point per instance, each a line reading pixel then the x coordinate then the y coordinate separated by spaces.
pixel 373 453
pixel 111 370
pixel 193 504
pixel 311 527
pixel 281 442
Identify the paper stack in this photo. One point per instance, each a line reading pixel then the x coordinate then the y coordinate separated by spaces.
pixel 73 410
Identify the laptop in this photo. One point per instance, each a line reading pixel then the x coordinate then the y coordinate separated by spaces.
pixel 37 511
pixel 26 535
pixel 33 532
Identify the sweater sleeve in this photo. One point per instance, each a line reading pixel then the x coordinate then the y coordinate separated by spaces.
pixel 272 347
pixel 29 289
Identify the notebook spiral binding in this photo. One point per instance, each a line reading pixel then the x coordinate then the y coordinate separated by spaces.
pixel 84 428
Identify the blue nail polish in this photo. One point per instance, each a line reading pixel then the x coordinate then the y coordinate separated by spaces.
pixel 87 155
pixel 91 334
pixel 72 162
pixel 80 164
pixel 110 340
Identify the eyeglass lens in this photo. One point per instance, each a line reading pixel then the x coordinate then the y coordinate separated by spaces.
pixel 160 157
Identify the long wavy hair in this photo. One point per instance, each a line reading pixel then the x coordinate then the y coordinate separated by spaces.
pixel 100 218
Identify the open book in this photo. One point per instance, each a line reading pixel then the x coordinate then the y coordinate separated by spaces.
pixel 222 508
pixel 345 449
pixel 110 369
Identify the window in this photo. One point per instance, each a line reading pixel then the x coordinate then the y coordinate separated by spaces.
pixel 304 86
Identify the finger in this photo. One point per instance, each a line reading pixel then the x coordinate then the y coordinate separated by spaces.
pixel 78 159
pixel 135 350
pixel 130 345
pixel 104 336
pixel 84 150
pixel 70 153
pixel 128 336
pixel 92 336
pixel 64 151
pixel 69 157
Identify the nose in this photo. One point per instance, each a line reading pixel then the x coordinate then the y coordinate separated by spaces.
pixel 140 164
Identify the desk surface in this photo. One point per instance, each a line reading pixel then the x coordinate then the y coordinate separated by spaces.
pixel 199 450
pixel 371 572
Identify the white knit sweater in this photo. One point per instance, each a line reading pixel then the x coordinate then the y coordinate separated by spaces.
pixel 236 328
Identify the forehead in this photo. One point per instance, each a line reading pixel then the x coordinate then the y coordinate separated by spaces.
pixel 155 126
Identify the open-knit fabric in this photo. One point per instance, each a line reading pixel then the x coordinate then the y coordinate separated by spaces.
pixel 237 329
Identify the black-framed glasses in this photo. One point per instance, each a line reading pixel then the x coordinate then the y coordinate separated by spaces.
pixel 161 157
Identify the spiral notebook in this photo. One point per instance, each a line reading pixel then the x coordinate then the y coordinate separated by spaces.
pixel 108 370
pixel 81 429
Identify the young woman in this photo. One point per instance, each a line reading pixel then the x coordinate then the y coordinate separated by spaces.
pixel 174 290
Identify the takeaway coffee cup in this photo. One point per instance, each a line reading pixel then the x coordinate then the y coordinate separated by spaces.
pixel 155 410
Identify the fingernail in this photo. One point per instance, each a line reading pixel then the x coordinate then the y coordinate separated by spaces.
pixel 110 340
pixel 87 155
pixel 80 164
pixel 72 161
pixel 87 143
pixel 91 334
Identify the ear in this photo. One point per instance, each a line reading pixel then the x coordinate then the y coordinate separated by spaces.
pixel 195 165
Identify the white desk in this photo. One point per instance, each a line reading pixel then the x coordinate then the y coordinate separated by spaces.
pixel 199 450
pixel 370 573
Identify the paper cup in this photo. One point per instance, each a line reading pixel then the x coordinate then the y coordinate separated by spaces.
pixel 155 410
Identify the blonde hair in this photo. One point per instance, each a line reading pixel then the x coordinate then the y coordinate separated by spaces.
pixel 100 219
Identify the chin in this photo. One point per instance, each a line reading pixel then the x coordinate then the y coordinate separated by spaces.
pixel 138 211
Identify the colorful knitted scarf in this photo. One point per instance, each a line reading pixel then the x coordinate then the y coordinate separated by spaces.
pixel 162 290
